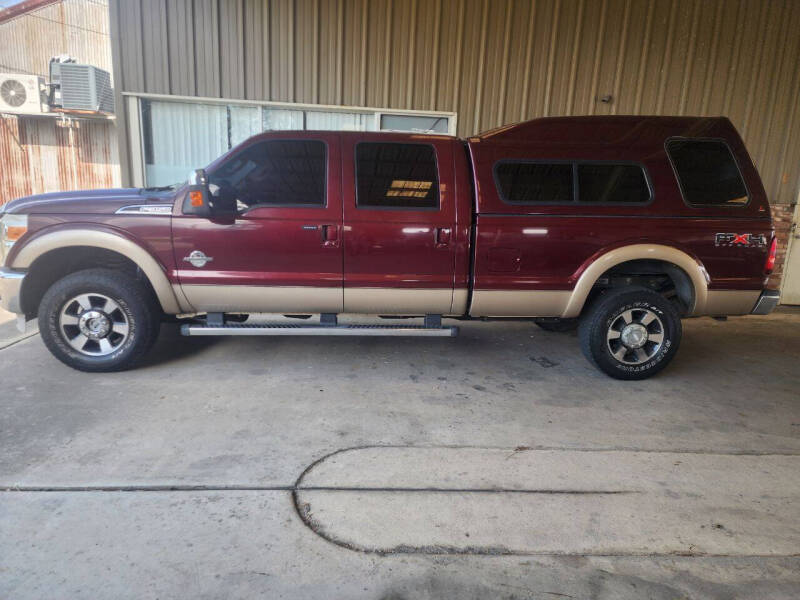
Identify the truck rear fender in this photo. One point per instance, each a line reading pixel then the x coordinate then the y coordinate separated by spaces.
pixel 596 267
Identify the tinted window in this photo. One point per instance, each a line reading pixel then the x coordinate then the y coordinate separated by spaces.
pixel 532 183
pixel 274 173
pixel 396 176
pixel 707 172
pixel 612 183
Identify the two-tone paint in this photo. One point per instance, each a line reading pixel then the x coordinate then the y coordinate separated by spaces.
pixel 474 255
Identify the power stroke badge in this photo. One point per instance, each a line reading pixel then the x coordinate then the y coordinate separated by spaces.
pixel 749 240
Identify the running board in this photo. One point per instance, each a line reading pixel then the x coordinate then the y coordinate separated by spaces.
pixel 312 329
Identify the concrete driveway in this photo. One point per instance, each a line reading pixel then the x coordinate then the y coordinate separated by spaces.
pixel 498 464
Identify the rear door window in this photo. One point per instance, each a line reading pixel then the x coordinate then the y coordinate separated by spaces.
pixel 396 176
pixel 707 173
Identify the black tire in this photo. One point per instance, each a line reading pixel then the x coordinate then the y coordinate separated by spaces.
pixel 137 307
pixel 557 325
pixel 608 315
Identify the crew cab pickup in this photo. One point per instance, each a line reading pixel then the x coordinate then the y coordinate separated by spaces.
pixel 620 226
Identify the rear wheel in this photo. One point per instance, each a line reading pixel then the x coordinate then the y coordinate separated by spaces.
pixel 99 320
pixel 630 333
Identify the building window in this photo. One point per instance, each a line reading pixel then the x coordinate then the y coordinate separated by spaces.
pixel 707 172
pixel 273 173
pixel 396 176
pixel 179 136
pixel 534 183
pixel 417 124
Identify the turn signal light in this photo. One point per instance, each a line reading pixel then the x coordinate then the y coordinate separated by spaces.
pixel 196 198
pixel 773 251
pixel 13 233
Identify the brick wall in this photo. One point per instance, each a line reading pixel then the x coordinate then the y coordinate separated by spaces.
pixel 782 219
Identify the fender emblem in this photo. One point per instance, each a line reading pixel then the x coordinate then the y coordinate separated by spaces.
pixel 750 240
pixel 197 259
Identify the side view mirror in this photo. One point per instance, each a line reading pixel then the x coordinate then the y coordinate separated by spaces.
pixel 198 177
pixel 206 200
pixel 197 200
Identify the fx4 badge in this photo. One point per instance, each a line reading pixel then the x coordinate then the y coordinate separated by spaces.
pixel 750 240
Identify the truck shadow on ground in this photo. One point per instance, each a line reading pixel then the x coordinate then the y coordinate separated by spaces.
pixel 172 346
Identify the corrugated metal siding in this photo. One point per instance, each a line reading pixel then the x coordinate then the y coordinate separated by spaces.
pixel 75 27
pixel 43 154
pixel 47 155
pixel 491 61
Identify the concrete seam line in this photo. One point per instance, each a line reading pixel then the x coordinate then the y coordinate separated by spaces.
pixel 18 340
pixel 249 488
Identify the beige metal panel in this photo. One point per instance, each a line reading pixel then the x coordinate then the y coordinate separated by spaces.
pixel 282 50
pixel 256 49
pixel 181 48
pixel 231 46
pixel 131 66
pixel 378 51
pixel 207 56
pixel 330 43
pixel 154 46
pixel 500 61
pixel 306 40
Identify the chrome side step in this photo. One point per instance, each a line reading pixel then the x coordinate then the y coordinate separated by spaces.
pixel 315 329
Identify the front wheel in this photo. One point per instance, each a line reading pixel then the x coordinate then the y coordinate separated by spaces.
pixel 99 320
pixel 630 333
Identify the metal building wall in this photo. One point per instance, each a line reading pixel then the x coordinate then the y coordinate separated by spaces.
pixel 491 61
pixel 46 154
pixel 39 155
pixel 75 27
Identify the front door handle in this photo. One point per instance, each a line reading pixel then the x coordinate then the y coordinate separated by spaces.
pixel 442 237
pixel 330 236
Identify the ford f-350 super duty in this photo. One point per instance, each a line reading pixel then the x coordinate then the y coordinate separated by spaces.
pixel 620 226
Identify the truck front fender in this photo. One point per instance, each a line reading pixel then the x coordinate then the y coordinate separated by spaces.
pixel 108 240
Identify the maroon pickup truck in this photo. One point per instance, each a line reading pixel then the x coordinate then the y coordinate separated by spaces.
pixel 619 226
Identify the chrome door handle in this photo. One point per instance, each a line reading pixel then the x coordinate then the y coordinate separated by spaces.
pixel 330 235
pixel 441 237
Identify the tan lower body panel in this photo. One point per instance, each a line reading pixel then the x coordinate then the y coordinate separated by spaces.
pixel 523 303
pixel 731 302
pixel 267 299
pixel 399 301
pixel 376 301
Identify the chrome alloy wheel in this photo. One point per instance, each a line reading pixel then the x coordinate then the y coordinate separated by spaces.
pixel 93 324
pixel 635 336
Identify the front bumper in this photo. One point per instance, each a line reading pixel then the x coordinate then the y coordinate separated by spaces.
pixel 10 289
pixel 767 302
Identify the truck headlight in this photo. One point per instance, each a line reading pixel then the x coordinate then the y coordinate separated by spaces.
pixel 12 227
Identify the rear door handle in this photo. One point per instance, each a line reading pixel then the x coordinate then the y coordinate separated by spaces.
pixel 442 237
pixel 330 236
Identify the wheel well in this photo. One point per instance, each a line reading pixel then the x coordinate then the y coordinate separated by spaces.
pixel 661 276
pixel 56 264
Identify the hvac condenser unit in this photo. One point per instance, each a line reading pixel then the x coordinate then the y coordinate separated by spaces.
pixel 85 87
pixel 22 94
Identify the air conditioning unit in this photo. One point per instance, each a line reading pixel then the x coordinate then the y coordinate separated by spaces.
pixel 85 87
pixel 22 94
